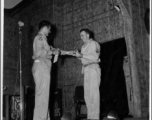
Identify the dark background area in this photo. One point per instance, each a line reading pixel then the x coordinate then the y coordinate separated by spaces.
pixel 113 87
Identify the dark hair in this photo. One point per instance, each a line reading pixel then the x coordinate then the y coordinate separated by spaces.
pixel 44 23
pixel 87 31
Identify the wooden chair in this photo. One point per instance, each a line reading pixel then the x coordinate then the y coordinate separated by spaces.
pixel 79 101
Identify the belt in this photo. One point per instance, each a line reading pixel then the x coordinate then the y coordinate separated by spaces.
pixel 89 64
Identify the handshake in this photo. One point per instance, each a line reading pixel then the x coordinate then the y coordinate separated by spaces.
pixel 75 53
pixel 58 52
pixel 62 52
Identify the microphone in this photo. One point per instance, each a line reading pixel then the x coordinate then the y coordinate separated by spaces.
pixel 20 24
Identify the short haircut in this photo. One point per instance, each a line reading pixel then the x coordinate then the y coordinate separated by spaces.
pixel 44 23
pixel 87 31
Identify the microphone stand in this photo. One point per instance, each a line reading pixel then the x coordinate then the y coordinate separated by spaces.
pixel 21 82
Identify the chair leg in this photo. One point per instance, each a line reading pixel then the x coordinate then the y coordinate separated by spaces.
pixel 76 111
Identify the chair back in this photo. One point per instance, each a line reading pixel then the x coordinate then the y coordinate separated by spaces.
pixel 79 93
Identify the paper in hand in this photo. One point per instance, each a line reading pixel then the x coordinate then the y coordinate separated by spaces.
pixel 55 58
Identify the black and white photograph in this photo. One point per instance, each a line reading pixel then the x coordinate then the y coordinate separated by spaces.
pixel 75 59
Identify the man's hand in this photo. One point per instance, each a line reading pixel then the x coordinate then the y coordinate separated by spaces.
pixel 56 52
pixel 50 52
pixel 78 55
pixel 71 53
pixel 64 52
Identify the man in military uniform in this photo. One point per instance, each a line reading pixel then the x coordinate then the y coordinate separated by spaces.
pixel 89 57
pixel 42 54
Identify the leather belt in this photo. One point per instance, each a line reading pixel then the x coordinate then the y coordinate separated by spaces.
pixel 90 64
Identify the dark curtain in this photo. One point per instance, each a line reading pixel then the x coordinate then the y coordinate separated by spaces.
pixel 113 87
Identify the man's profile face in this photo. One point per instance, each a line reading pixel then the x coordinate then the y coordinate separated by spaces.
pixel 84 36
pixel 48 30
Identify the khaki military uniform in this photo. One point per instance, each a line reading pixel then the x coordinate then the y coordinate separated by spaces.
pixel 41 72
pixel 92 74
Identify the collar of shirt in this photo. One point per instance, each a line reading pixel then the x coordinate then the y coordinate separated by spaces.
pixel 42 35
pixel 87 42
